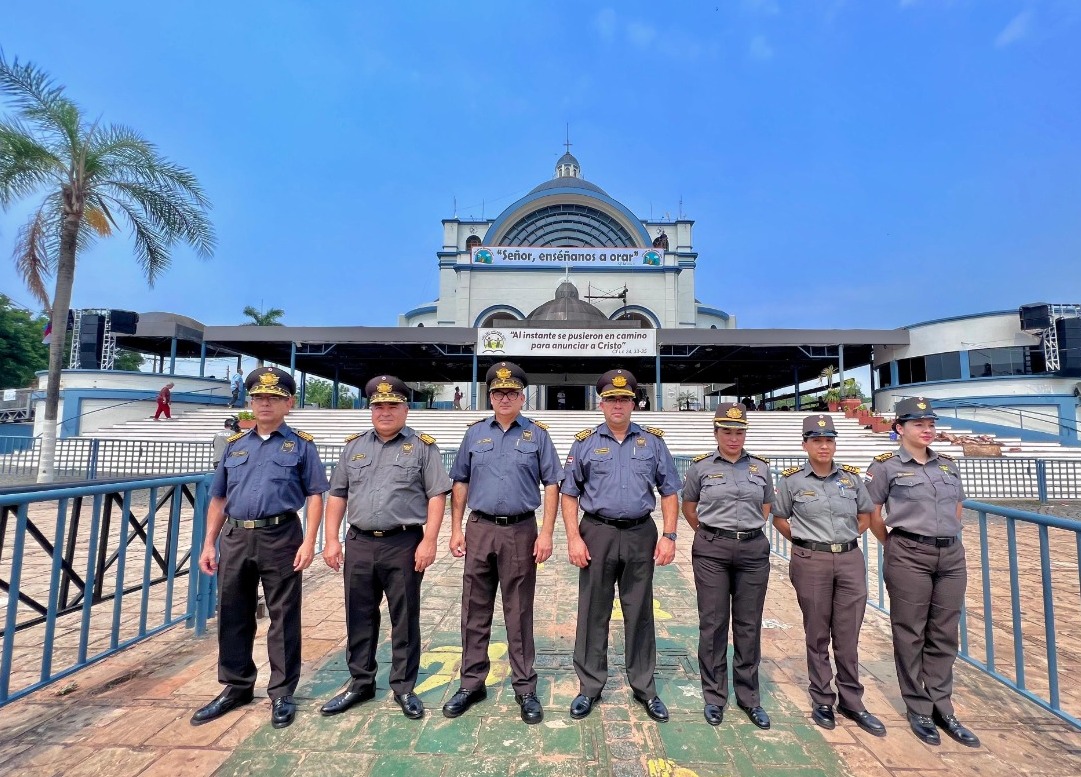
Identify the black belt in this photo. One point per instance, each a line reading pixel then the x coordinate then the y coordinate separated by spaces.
pixel 505 520
pixel 937 542
pixel 826 547
pixel 262 523
pixel 620 523
pixel 354 531
pixel 750 534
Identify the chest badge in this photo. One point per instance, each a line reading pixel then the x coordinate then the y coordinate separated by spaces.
pixel 601 450
pixel 716 475
pixel 288 445
pixel 486 439
pixel 845 482
pixel 527 435
pixel 808 493
pixel 753 468
pixel 239 453
pixel 640 442
pixel 407 447
pixel 357 457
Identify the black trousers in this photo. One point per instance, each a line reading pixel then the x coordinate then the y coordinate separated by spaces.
pixel 622 557
pixel 731 578
pixel 246 558
pixel 375 566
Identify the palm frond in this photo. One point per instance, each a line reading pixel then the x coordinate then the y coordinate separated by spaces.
pixel 173 215
pixel 40 101
pixel 35 251
pixel 150 246
pixel 25 164
pixel 95 218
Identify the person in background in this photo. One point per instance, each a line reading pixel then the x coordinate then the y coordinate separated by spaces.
pixel 165 398
pixel 221 438
pixel 235 384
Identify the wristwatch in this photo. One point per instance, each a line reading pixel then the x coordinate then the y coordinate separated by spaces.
pixel 669 535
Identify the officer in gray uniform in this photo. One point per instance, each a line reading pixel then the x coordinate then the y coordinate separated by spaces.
pixel 500 463
pixel 391 485
pixel 923 567
pixel 823 507
pixel 266 475
pixel 612 470
pixel 726 499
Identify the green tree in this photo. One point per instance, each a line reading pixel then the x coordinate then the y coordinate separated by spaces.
pixel 93 180
pixel 128 360
pixel 21 351
pixel 261 318
pixel 319 392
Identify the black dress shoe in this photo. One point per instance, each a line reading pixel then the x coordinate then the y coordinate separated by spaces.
pixel 227 700
pixel 864 720
pixel 757 715
pixel 463 700
pixel 532 711
pixel 654 708
pixel 955 731
pixel 412 706
pixel 345 700
pixel 924 728
pixel 583 705
pixel 282 712
pixel 714 714
pixel 822 715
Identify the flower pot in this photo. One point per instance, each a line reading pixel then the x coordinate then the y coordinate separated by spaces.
pixel 851 402
pixel 850 412
pixel 246 424
pixel 834 406
pixel 880 424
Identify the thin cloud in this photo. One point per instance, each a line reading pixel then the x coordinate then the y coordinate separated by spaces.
pixel 760 48
pixel 640 34
pixel 605 21
pixel 1019 28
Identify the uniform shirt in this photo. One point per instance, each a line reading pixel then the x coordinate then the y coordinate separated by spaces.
pixel 616 480
pixel 388 484
pixel 261 478
pixel 504 468
pixel 822 509
pixel 920 498
pixel 221 439
pixel 729 496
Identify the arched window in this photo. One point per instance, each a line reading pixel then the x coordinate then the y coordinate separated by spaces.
pixel 632 316
pixel 661 242
pixel 471 242
pixel 502 315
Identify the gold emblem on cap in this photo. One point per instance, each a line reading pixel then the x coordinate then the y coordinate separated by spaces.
pixel 619 381
pixel 383 388
pixel 821 422
pixel 268 379
pixel 734 412
pixel 921 405
pixel 502 373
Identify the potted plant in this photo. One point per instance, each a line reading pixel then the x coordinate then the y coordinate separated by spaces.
pixel 851 396
pixel 833 400
pixel 246 419
pixel 880 424
pixel 863 415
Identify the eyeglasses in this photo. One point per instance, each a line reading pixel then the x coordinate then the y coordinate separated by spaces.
pixel 619 400
pixel 499 396
pixel 268 398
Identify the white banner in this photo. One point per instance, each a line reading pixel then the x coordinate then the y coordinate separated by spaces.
pixel 567 342
pixel 517 256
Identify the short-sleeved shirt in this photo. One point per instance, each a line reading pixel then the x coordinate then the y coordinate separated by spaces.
pixel 920 498
pixel 729 494
pixel 616 480
pixel 388 484
pixel 221 439
pixel 235 382
pixel 260 478
pixel 503 469
pixel 822 509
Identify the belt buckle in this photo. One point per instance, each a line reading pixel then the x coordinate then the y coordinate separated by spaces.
pixel 378 533
pixel 837 547
pixel 247 524
pixel 501 520
pixel 742 535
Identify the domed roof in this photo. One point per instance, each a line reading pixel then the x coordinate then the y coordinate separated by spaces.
pixel 568 159
pixel 566 307
pixel 569 183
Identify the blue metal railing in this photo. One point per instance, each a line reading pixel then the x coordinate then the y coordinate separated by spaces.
pixel 74 594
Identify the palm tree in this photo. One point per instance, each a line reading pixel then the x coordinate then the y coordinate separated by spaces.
pixel 259 318
pixel 93 180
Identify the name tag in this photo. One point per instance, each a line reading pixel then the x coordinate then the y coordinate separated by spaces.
pixel 239 453
pixel 600 450
pixel 357 457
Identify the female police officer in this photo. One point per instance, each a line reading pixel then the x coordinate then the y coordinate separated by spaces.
pixel 823 507
pixel 924 567
pixel 726 500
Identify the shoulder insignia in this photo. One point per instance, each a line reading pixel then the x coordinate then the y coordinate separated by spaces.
pixel 303 435
pixel 850 468
pixel 945 456
pixel 884 456
pixel 703 457
pixel 238 435
pixel 791 471
pixel 582 435
pixel 427 439
pixel 654 430
pixel 474 423
pixel 541 425
pixel 760 458
pixel 352 437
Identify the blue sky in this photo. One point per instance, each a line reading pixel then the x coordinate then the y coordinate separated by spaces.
pixel 848 164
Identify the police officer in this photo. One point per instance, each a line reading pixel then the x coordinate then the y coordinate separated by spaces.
pixel 392 482
pixel 221 438
pixel 499 465
pixel 923 567
pixel 726 499
pixel 612 470
pixel 266 475
pixel 823 507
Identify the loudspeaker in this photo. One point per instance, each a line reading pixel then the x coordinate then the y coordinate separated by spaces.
pixel 123 322
pixel 91 339
pixel 1035 317
pixel 1069 346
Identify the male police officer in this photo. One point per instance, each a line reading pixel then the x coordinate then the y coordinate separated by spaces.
pixel 266 475
pixel 393 482
pixel 499 464
pixel 612 470
pixel 823 507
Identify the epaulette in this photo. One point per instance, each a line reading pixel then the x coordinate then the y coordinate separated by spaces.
pixel 474 423
pixel 850 468
pixel 427 439
pixel 703 457
pixel 238 435
pixel 303 435
pixel 654 430
pixel 352 437
pixel 945 456
pixel 791 471
pixel 541 425
pixel 884 456
pixel 760 458
pixel 584 434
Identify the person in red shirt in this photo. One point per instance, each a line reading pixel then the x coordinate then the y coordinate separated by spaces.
pixel 165 396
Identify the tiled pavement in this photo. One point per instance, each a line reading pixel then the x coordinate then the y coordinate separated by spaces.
pixel 128 715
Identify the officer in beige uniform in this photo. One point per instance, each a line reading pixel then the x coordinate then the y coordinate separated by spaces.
pixel 823 507
pixel 726 499
pixel 923 567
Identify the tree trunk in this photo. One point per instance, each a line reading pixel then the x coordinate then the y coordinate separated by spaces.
pixel 65 279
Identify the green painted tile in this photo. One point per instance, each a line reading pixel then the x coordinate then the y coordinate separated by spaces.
pixel 387 732
pixel 687 741
pixel 407 766
pixel 333 765
pixel 447 736
pixel 548 768
pixel 481 766
pixel 560 737
pixel 244 763
pixel 778 748
pixel 507 737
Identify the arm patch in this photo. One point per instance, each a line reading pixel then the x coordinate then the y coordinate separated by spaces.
pixel 654 430
pixel 703 457
pixel 884 456
pixel 427 439
pixel 238 435
pixel 584 434
pixel 791 471
pixel 850 468
pixel 303 435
